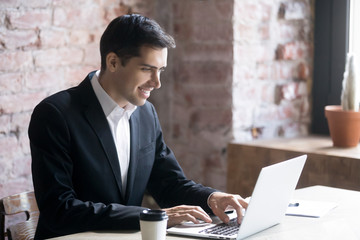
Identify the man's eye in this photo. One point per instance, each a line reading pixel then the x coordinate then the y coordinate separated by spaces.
pixel 146 69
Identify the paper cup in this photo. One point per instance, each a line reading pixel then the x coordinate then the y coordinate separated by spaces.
pixel 153 224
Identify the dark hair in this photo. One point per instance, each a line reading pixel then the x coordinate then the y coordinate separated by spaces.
pixel 125 35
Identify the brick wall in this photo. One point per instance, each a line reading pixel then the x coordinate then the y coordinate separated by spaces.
pixel 241 71
pixel 272 71
pixel 45 46
pixel 240 68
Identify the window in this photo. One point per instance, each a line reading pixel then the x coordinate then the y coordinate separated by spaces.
pixel 330 49
pixel 354 28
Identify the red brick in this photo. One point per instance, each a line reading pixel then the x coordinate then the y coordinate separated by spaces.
pixel 264 53
pixel 80 37
pixel 78 17
pixel 288 31
pixel 113 10
pixel 92 55
pixel 53 38
pixel 251 12
pixel 264 71
pixel 293 90
pixel 20 122
pixel 22 166
pixel 209 119
pixel 294 129
pixel 224 9
pixel 205 32
pixel 4 124
pixel 10 82
pixel 196 51
pixel 303 71
pixel 202 11
pixel 305 109
pixel 268 92
pixel 43 79
pixel 296 10
pixel 17 39
pixel 31 19
pixel 292 51
pixel 10 4
pixel 9 147
pixel 264 31
pixel 246 32
pixel 12 186
pixel 36 3
pixel 243 114
pixel 203 72
pixel 268 114
pixel 266 11
pixel 247 90
pixel 243 72
pixel 74 76
pixel 245 53
pixel 15 61
pixel 277 71
pixel 209 96
pixel 58 57
pixel 24 145
pixel 20 102
pixel 290 110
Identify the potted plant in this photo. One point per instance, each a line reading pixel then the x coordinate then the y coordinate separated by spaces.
pixel 344 120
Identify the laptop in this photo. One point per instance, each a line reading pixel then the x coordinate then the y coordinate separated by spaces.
pixel 267 206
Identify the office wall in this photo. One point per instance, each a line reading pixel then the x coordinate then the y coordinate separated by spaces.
pixel 45 46
pixel 240 68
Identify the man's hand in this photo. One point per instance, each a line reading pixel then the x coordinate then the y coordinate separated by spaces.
pixel 183 213
pixel 220 202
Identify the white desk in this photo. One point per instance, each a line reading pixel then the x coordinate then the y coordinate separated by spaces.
pixel 342 222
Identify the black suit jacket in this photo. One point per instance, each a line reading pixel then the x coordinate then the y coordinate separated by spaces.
pixel 76 171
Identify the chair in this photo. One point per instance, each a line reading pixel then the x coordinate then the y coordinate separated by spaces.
pixel 22 202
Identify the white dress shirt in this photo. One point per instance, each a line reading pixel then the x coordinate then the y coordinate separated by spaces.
pixel 118 119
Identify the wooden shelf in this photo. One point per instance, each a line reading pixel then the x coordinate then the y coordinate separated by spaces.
pixel 326 165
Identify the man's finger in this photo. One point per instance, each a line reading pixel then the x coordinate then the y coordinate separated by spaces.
pixel 186 213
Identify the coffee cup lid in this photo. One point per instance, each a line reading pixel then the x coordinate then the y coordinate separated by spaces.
pixel 153 215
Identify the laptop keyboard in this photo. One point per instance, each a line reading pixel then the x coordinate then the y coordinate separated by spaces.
pixel 224 229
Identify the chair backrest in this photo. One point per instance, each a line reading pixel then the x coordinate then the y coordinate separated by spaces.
pixel 22 202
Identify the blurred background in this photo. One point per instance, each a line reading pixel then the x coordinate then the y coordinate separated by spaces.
pixel 242 70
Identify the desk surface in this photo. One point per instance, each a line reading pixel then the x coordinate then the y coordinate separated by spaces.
pixel 340 223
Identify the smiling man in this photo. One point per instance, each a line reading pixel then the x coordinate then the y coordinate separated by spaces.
pixel 96 148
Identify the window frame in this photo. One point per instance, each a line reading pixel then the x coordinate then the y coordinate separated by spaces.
pixel 330 48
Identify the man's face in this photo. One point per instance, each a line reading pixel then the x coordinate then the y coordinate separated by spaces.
pixel 134 82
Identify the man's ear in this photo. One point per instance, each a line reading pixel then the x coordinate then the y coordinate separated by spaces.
pixel 112 62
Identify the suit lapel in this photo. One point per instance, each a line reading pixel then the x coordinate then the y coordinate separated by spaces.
pixel 134 147
pixel 97 120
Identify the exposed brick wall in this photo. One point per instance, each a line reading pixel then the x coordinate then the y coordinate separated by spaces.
pixel 240 68
pixel 273 62
pixel 203 73
pixel 45 46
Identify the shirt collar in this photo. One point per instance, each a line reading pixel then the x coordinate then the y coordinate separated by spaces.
pixel 107 103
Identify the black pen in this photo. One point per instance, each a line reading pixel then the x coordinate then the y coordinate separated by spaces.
pixel 294 204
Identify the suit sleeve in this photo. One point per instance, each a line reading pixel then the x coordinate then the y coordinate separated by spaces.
pixel 168 184
pixel 61 212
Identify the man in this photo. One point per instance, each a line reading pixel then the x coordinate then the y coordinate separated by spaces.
pixel 96 148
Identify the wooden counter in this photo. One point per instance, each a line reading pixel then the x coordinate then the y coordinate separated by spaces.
pixel 326 165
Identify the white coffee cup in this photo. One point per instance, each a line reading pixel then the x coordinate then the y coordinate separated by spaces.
pixel 153 224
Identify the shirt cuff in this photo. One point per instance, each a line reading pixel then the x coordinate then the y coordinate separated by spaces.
pixel 208 199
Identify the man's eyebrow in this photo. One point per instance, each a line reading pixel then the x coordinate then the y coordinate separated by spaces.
pixel 151 66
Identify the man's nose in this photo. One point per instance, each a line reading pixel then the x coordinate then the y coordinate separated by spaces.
pixel 156 79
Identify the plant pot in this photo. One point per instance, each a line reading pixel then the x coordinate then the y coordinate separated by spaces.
pixel 344 126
